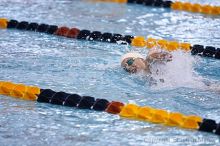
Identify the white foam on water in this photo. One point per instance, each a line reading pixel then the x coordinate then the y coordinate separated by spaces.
pixel 179 72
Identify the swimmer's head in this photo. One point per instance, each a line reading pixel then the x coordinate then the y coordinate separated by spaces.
pixel 133 62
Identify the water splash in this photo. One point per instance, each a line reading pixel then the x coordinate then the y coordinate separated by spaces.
pixel 178 73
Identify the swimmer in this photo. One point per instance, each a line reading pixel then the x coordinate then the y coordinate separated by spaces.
pixel 135 62
pixel 156 58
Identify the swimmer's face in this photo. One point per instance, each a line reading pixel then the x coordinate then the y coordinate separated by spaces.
pixel 133 65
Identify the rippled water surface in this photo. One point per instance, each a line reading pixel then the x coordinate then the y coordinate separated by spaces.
pixel 93 68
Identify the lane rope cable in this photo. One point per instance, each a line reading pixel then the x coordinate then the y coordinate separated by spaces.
pixel 128 111
pixel 136 41
pixel 174 5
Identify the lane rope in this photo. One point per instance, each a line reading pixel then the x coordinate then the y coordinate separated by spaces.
pixel 128 111
pixel 136 41
pixel 176 5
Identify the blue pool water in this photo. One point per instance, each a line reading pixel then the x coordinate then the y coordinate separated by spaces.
pixel 93 68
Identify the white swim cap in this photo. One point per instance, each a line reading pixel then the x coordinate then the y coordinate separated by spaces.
pixel 131 55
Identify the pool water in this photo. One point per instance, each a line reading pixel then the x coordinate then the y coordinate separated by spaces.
pixel 93 68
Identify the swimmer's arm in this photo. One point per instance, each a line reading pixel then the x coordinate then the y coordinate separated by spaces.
pixel 147 64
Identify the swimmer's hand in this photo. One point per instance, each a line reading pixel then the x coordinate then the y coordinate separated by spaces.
pixel 159 56
pixel 163 56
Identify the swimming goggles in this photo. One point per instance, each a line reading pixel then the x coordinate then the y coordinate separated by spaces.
pixel 130 61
